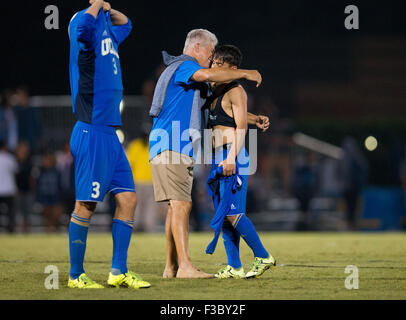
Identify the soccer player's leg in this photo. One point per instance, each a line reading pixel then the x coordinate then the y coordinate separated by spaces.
pixel 243 225
pixel 231 239
pixel 91 175
pixel 122 187
pixel 262 259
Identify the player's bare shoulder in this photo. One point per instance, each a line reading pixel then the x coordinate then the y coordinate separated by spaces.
pixel 237 95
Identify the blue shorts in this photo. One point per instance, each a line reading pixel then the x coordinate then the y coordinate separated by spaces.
pixel 101 165
pixel 238 198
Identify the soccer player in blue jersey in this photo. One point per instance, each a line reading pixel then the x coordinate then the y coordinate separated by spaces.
pixel 101 165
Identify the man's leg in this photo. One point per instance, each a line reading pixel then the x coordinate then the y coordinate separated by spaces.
pixel 123 224
pixel 262 259
pixel 180 231
pixel 122 229
pixel 231 239
pixel 11 214
pixel 78 228
pixel 172 266
pixel 247 231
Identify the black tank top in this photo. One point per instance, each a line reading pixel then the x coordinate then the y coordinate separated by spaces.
pixel 217 116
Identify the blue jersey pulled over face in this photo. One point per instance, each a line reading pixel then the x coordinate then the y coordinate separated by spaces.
pixel 94 67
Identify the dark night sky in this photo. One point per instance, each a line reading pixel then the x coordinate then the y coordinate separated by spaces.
pixel 39 57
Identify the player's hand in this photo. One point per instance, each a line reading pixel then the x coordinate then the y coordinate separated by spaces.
pixel 106 6
pixel 254 75
pixel 228 167
pixel 262 122
pixel 100 2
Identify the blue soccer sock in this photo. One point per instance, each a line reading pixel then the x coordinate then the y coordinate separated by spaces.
pixel 231 239
pixel 247 230
pixel 121 232
pixel 78 228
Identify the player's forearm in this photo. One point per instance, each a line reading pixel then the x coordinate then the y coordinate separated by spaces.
pixel 95 8
pixel 118 18
pixel 252 118
pixel 237 144
pixel 86 30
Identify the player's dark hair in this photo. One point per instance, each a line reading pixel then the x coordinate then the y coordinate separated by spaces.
pixel 229 54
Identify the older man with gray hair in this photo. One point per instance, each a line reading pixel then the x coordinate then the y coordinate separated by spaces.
pixel 179 95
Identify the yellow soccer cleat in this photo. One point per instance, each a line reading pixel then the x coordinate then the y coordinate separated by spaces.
pixel 83 282
pixel 230 272
pixel 127 280
pixel 259 266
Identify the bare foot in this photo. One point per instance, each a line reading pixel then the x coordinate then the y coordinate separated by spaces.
pixel 193 274
pixel 170 271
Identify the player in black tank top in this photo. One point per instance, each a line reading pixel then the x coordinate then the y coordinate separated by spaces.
pixel 232 98
pixel 217 115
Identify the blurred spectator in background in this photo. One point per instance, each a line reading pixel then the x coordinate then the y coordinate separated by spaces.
pixel 330 183
pixel 147 211
pixel 148 86
pixel 8 121
pixel 64 164
pixel 402 176
pixel 49 192
pixel 8 187
pixel 29 121
pixel 25 183
pixel 402 173
pixel 304 186
pixel 147 92
pixel 275 161
pixel 353 170
pixel 252 196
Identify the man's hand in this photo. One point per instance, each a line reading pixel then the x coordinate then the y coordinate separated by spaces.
pixel 95 7
pixel 100 2
pixel 262 122
pixel 106 6
pixel 254 75
pixel 228 167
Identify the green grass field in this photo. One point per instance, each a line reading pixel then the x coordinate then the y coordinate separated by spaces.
pixel 310 266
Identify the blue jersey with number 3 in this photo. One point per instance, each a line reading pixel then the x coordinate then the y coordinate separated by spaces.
pixel 94 67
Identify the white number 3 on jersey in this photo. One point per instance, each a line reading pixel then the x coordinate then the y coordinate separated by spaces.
pixel 96 190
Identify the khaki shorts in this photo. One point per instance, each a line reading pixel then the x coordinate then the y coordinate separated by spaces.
pixel 172 176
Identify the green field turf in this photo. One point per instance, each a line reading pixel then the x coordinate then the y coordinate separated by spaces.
pixel 310 266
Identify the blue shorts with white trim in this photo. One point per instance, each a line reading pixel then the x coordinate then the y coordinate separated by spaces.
pixel 101 165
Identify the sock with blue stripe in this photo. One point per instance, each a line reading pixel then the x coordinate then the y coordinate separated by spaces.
pixel 78 228
pixel 231 239
pixel 247 230
pixel 121 232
